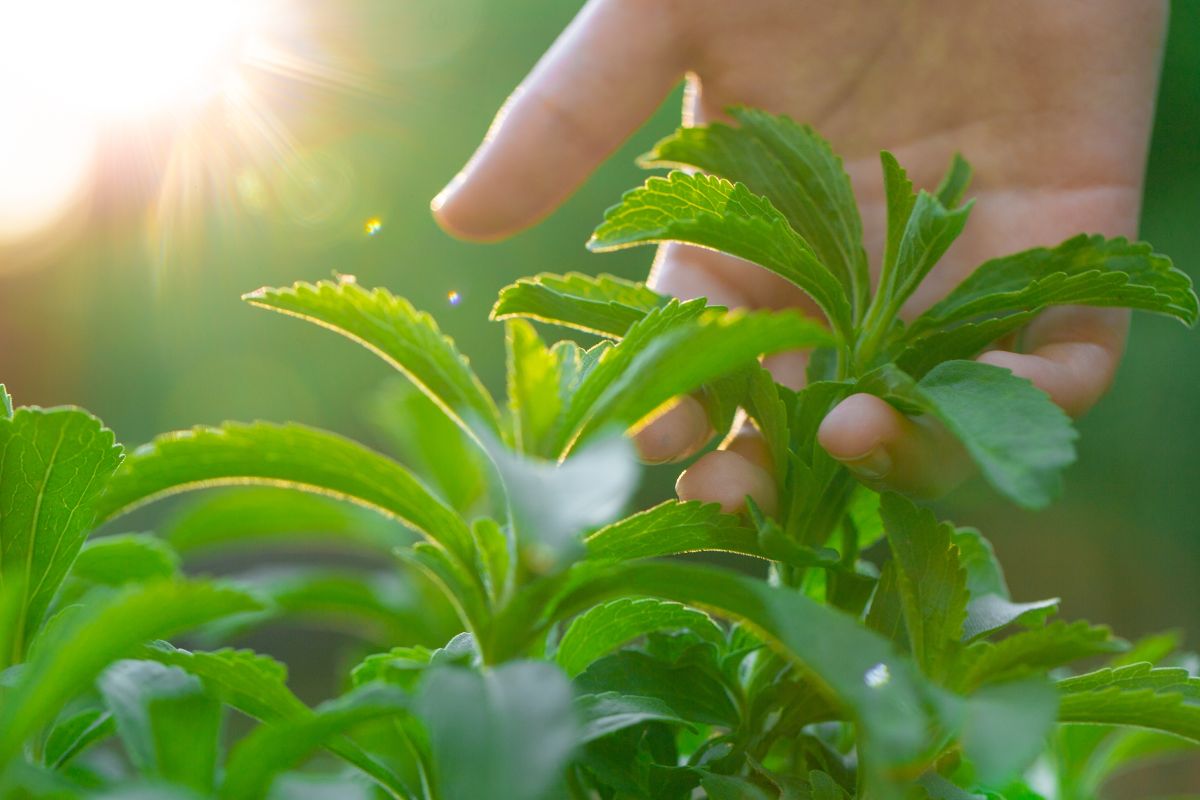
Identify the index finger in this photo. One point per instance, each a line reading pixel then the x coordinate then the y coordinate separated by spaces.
pixel 606 73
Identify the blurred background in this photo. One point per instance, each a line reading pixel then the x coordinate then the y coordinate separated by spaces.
pixel 280 140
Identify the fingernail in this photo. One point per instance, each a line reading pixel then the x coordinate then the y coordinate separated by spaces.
pixel 873 466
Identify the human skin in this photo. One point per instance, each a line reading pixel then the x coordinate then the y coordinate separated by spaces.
pixel 1051 102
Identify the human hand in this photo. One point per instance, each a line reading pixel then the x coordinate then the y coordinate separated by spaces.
pixel 1051 102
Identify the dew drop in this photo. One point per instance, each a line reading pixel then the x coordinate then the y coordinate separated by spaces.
pixel 877 675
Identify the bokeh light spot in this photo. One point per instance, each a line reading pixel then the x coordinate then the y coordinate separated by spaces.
pixel 453 297
pixel 373 226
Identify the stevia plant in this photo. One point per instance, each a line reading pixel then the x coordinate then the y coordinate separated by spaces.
pixel 589 665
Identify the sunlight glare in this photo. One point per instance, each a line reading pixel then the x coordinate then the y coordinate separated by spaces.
pixel 124 58
pixel 68 70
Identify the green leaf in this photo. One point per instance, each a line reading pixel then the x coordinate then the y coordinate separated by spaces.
pixel 256 685
pixel 606 713
pixel 21 779
pixel 587 375
pixel 605 305
pixel 954 185
pixel 992 612
pixel 6 403
pixel 1166 700
pixel 931 582
pixel 514 725
pixel 862 512
pixel 929 231
pixel 1006 727
pixel 899 197
pixel 727 787
pixel 169 724
pixel 266 516
pixel 766 407
pixel 691 684
pixel 463 588
pixel 823 787
pixel 374 607
pixel 534 377
pixel 76 733
pixel 283 455
pixel 125 558
pixel 859 668
pixel 818 487
pixel 712 346
pixel 964 341
pixel 1014 432
pixel 791 166
pixel 1084 270
pixel 271 749
pixel 1032 651
pixel 402 666
pixel 1155 648
pixel 554 504
pixel 441 453
pixel 671 528
pixel 938 788
pixel 886 614
pixel 975 553
pixel 70 654
pixel 497 563
pixel 53 467
pixel 390 327
pixel 608 626
pixel 711 212
pixel 252 683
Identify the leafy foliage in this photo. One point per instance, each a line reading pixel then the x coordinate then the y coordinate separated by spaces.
pixel 534 641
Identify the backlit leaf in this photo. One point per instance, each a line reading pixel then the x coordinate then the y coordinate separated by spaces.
pixel 1083 270
pixel 1165 699
pixel 604 305
pixel 610 625
pixel 53 466
pixel 390 327
pixel 712 212
pixel 282 455
pixel 793 167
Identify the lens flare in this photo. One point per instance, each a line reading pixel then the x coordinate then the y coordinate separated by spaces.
pixel 181 108
pixel 453 297
pixel 373 226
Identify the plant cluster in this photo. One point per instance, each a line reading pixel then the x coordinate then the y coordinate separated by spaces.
pixel 524 640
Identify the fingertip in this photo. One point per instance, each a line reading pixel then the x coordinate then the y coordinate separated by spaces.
pixel 857 426
pixel 676 434
pixel 1074 374
pixel 727 478
pixel 466 208
pixel 1016 363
